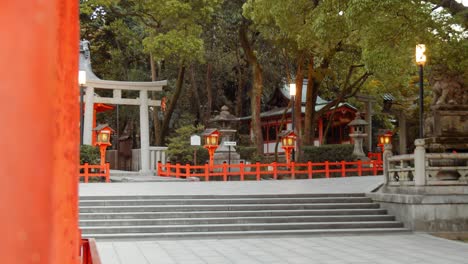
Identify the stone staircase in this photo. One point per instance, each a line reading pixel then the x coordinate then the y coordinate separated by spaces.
pixel 198 216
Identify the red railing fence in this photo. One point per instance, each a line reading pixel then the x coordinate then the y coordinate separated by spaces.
pixel 87 171
pixel 88 252
pixel 375 156
pixel 274 170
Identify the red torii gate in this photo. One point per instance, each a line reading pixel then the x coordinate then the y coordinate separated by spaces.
pixel 39 138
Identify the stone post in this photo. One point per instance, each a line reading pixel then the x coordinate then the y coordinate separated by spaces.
pixel 144 130
pixel 89 115
pixel 386 164
pixel 419 163
pixel 403 134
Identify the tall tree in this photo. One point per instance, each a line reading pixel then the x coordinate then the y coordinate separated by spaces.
pixel 172 33
pixel 344 44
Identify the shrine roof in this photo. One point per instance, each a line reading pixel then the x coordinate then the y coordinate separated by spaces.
pixel 279 111
pixel 285 92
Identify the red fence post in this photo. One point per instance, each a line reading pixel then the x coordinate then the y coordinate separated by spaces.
pixel 177 170
pixel 275 170
pixel 257 166
pixel 86 172
pixel 168 169
pixel 107 172
pixel 187 171
pixel 207 172
pixel 374 166
pixel 327 170
pixel 224 171
pixel 159 168
pixel 293 170
pixel 359 162
pixel 241 168
pixel 343 168
pixel 309 169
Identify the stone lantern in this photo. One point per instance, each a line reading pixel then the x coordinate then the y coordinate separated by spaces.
pixel 358 126
pixel 226 151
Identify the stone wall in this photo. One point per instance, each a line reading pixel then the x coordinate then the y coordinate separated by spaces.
pixel 427 210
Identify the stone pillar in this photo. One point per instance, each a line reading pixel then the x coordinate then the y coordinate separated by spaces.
pixel 144 132
pixel 419 163
pixel 40 134
pixel 402 137
pixel 386 165
pixel 88 116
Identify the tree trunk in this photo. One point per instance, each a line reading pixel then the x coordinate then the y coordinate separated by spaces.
pixel 256 107
pixel 240 86
pixel 209 95
pixel 156 121
pixel 281 128
pixel 298 106
pixel 173 102
pixel 310 120
pixel 257 90
pixel 195 95
pixel 329 123
pixel 154 69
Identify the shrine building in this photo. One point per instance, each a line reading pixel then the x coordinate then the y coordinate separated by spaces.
pixel 338 132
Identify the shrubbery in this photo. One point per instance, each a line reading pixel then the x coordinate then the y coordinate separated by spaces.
pixel 179 148
pixel 328 153
pixel 89 154
pixel 248 153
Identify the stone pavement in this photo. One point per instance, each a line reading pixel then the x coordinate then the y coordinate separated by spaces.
pixel 368 249
pixel 372 249
pixel 332 185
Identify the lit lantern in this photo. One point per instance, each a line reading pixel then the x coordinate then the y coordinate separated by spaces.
pixel 104 132
pixel 288 140
pixel 211 139
pixel 103 137
pixel 384 139
pixel 420 56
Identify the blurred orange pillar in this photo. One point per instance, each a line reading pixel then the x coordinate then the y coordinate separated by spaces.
pixel 39 136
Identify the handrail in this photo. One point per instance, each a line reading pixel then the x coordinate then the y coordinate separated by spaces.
pixel 272 170
pixel 94 171
pixel 404 157
pixel 421 168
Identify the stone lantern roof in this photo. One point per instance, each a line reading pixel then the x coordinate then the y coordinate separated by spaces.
pixel 225 118
pixel 358 121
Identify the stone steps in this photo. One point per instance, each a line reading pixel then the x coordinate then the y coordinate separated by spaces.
pixel 208 214
pixel 234 220
pixel 225 201
pixel 231 215
pixel 231 207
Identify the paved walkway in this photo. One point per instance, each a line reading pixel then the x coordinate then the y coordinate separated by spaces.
pixel 370 249
pixel 381 249
pixel 332 185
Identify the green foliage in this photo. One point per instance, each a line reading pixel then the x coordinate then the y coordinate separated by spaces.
pixel 248 153
pixel 89 154
pixel 380 35
pixel 328 153
pixel 179 148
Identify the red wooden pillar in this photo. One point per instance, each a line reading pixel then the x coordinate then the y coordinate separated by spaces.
pixel 39 138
